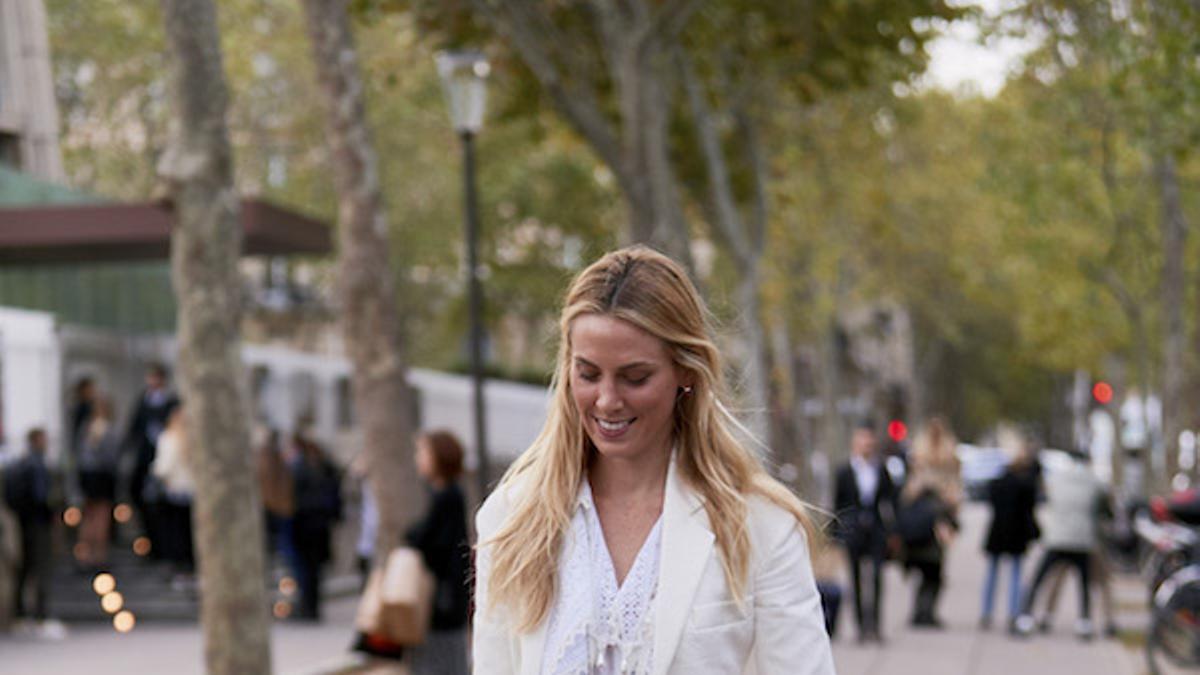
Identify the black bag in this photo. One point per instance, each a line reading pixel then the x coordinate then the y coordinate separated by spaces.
pixel 917 521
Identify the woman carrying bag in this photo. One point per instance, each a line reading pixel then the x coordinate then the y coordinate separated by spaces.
pixel 441 538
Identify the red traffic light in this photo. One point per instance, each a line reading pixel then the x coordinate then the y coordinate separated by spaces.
pixel 1102 392
pixel 897 430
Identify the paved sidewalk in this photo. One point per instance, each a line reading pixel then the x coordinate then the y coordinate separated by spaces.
pixel 962 649
pixel 311 649
pixel 176 648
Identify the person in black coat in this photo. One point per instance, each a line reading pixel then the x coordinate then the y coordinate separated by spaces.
pixel 1013 497
pixel 27 491
pixel 154 406
pixel 441 537
pixel 865 508
pixel 318 501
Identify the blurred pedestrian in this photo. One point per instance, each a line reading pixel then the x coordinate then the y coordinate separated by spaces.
pixel 318 500
pixel 27 491
pixel 149 419
pixel 1101 570
pixel 173 467
pixel 865 507
pixel 638 511
pixel 1070 522
pixel 928 518
pixel 278 490
pixel 368 520
pixel 829 570
pixel 10 555
pixel 97 450
pixel 441 537
pixel 1013 497
pixel 83 397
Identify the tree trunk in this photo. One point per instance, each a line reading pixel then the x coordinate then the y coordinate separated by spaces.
pixel 1175 366
pixel 646 176
pixel 786 401
pixel 368 310
pixel 833 437
pixel 742 238
pixel 205 249
pixel 753 372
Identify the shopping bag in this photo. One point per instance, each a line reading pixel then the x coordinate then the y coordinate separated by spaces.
pixel 370 605
pixel 398 599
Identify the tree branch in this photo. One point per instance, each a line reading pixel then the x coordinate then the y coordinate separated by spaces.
pixel 760 205
pixel 666 23
pixel 533 37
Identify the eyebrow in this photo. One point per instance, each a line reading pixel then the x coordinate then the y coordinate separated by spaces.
pixel 628 366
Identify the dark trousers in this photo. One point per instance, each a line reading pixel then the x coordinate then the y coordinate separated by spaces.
pixel 309 561
pixel 866 614
pixel 176 537
pixel 34 568
pixel 831 602
pixel 928 590
pixel 1081 561
pixel 280 540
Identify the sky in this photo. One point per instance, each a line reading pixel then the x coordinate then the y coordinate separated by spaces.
pixel 958 60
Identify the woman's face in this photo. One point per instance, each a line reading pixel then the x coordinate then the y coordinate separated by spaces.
pixel 624 385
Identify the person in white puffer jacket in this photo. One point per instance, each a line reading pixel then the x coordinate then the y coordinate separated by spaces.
pixel 1070 521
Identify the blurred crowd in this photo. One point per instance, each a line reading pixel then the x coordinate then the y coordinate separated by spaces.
pixel 119 482
pixel 901 507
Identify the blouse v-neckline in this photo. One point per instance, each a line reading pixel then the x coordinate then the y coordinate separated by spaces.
pixel 597 625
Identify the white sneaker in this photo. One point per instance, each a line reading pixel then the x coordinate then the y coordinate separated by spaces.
pixel 1024 624
pixel 1084 629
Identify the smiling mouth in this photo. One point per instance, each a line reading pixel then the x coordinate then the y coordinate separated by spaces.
pixel 613 427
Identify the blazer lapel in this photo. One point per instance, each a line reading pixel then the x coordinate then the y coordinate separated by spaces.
pixel 687 543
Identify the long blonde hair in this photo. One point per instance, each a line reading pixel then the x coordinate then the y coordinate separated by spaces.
pixel 652 292
pixel 934 464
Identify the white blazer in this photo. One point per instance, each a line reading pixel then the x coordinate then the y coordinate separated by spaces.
pixel 698 627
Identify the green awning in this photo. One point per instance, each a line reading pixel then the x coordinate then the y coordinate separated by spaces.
pixel 21 189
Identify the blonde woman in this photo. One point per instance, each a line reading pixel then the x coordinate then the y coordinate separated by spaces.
pixel 638 535
pixel 928 517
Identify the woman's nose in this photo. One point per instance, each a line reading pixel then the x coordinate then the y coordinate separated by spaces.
pixel 609 398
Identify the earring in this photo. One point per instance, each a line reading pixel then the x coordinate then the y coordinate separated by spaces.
pixel 687 390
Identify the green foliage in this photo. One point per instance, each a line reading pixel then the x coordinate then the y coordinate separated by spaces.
pixel 1019 232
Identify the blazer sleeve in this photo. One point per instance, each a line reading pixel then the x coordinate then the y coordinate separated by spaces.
pixel 789 624
pixel 842 500
pixel 492 639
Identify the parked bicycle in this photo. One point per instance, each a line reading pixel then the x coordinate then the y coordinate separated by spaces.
pixel 1173 642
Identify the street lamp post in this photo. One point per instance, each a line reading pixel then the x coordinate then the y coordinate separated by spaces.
pixel 463 77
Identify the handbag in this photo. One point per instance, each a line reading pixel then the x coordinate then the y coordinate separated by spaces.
pixel 398 599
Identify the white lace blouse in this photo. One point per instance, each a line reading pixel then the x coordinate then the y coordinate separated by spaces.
pixel 595 627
